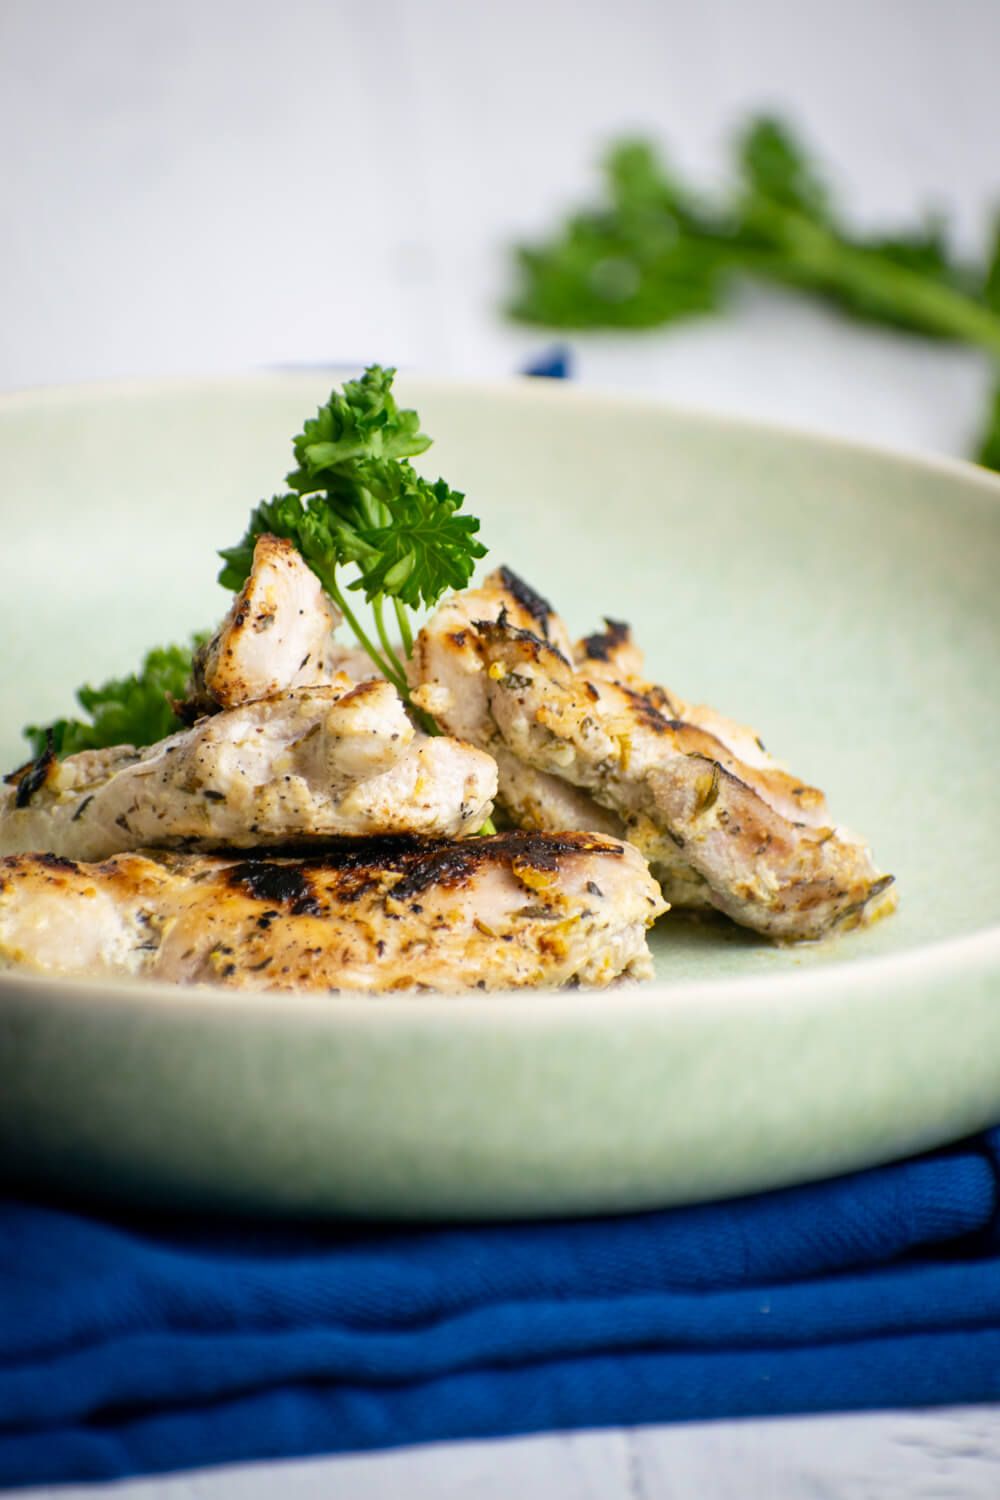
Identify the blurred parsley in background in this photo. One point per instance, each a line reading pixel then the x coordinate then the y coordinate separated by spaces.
pixel 656 250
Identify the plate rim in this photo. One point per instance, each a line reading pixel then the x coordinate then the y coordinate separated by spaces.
pixel 532 388
pixel 919 967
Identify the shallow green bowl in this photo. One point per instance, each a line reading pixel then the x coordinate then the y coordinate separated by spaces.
pixel 844 601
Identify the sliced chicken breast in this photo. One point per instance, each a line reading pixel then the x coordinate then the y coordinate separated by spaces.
pixel 613 656
pixel 277 635
pixel 759 840
pixel 376 914
pixel 448 676
pixel 722 823
pixel 311 764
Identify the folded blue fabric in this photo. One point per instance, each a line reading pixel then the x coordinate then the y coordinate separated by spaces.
pixel 553 364
pixel 131 1345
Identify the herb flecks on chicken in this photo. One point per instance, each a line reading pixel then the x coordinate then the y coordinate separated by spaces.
pixel 721 822
pixel 374 914
pixel 307 765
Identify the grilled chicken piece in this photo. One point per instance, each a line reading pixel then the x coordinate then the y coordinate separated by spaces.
pixel 613 656
pixel 277 635
pixel 722 823
pixel 375 914
pixel 311 764
pixel 758 840
pixel 448 676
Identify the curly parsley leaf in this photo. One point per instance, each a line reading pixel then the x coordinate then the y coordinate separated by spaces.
pixel 361 424
pixel 134 710
pixel 423 547
pixel 636 262
pixel 773 166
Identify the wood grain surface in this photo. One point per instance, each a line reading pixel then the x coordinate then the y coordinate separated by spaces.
pixel 919 1455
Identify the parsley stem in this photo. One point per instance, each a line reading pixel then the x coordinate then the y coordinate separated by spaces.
pixel 383 636
pixel 330 584
pixel 422 717
pixel 399 671
pixel 396 673
pixel 813 256
pixel 403 621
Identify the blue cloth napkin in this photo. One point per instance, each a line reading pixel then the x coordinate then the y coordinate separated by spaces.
pixel 555 363
pixel 133 1345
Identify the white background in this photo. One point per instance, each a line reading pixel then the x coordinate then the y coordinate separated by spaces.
pixel 196 187
pixel 202 187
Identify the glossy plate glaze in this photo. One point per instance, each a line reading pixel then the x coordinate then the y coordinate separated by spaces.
pixel 842 600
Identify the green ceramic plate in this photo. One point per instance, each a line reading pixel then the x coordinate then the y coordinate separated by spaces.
pixel 844 601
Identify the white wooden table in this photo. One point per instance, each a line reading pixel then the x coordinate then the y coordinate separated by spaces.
pixel 220 185
pixel 935 1455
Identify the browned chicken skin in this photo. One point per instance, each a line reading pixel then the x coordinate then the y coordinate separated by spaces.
pixel 395 913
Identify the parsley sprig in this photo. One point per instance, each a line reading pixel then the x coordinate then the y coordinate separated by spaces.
pixel 361 517
pixel 654 250
pixel 355 503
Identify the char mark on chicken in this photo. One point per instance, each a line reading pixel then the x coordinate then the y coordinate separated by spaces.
pixel 389 913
